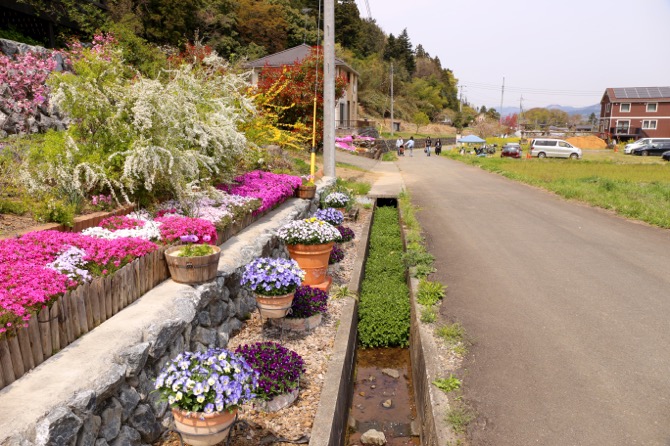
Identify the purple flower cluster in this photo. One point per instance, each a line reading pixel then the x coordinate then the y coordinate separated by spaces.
pixel 330 215
pixel 336 255
pixel 307 302
pixel 272 277
pixel 346 234
pixel 279 368
pixel 207 382
pixel 271 188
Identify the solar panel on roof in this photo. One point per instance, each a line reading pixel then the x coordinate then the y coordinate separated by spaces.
pixel 642 92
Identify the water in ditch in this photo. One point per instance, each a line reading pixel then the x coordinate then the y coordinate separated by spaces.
pixel 383 399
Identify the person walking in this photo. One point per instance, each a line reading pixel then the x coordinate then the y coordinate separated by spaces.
pixel 398 144
pixel 410 145
pixel 428 144
pixel 438 147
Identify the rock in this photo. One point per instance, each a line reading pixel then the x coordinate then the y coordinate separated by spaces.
pixel 101 442
pixel 127 437
pixel 217 312
pixel 158 405
pixel 110 382
pixel 351 422
pixel 387 403
pixel 111 420
pixel 415 428
pixel 59 428
pixel 144 421
pixel 373 386
pixel 204 319
pixel 89 431
pixel 223 338
pixel 83 401
pixel 205 336
pixel 134 358
pixel 146 386
pixel 373 437
pixel 162 335
pixel 393 373
pixel 231 326
pixel 129 398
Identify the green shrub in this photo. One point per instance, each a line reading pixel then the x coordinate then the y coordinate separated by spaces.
pixel 451 333
pixel 389 156
pixel 13 207
pixel 55 211
pixel 448 384
pixel 430 293
pixel 384 311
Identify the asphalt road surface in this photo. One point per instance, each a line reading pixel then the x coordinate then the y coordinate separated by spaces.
pixel 567 307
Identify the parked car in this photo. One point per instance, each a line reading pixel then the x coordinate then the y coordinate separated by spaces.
pixel 666 155
pixel 556 148
pixel 628 148
pixel 511 150
pixel 652 149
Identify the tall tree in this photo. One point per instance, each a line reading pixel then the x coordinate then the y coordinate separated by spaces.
pixel 348 25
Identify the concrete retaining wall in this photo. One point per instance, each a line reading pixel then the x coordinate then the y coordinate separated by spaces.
pixel 97 391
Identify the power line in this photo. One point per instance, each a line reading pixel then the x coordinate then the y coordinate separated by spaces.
pixel 367 6
pixel 530 90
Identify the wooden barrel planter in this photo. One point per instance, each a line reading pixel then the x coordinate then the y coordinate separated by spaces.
pixel 305 192
pixel 192 269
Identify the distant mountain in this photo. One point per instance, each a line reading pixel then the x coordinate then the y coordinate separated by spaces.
pixel 584 111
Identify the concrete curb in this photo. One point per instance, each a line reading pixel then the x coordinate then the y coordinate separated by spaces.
pixel 431 403
pixel 330 422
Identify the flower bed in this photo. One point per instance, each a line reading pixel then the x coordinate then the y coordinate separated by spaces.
pixel 271 188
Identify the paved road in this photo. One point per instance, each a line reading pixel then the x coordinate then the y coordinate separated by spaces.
pixel 568 308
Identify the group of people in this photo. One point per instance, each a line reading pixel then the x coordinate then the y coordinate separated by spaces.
pixel 401 145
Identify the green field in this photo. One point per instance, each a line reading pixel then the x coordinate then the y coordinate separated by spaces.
pixel 632 186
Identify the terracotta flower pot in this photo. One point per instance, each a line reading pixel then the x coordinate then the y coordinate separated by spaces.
pixel 192 269
pixel 201 429
pixel 273 307
pixel 306 192
pixel 313 259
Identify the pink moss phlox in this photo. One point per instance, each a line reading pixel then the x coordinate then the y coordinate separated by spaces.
pixel 120 222
pixel 271 188
pixel 174 227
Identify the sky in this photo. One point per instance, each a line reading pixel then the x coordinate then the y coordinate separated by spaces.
pixel 560 52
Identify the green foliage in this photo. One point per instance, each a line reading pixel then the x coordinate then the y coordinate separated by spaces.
pixel 337 187
pixel 428 315
pixel 430 293
pixel 354 187
pixel 12 34
pixel 195 251
pixel 53 210
pixel 12 207
pixel 459 417
pixel 147 59
pixel 448 384
pixel 451 333
pixel 384 309
pixel 416 257
pixel 389 156
pixel 420 119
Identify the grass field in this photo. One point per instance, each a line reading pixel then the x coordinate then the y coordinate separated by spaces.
pixel 635 187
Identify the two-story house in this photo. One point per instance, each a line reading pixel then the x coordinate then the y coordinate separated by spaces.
pixel 633 113
pixel 346 111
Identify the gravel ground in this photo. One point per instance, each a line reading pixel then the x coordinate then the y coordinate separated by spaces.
pixel 294 423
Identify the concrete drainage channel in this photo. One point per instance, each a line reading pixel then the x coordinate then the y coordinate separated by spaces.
pixel 388 390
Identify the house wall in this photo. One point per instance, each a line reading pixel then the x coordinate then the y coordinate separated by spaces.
pixel 613 119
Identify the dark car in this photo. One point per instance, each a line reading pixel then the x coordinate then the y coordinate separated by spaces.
pixel 511 150
pixel 666 155
pixel 652 149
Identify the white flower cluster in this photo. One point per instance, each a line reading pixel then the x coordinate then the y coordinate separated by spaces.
pixel 310 231
pixel 150 231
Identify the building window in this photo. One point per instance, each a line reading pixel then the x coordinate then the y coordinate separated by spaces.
pixel 652 107
pixel 622 127
pixel 607 107
pixel 649 124
pixel 624 108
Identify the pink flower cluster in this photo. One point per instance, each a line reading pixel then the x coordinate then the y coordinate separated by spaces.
pixel 25 76
pixel 120 222
pixel 174 227
pixel 27 285
pixel 271 188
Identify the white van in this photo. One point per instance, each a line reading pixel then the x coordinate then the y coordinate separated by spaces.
pixel 628 148
pixel 554 148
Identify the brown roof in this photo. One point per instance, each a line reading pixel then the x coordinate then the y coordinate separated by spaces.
pixel 289 56
pixel 639 94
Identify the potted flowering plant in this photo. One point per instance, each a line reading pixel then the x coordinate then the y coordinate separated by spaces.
pixel 279 371
pixel 346 234
pixel 337 200
pixel 307 310
pixel 336 255
pixel 309 242
pixel 307 189
pixel 330 215
pixel 274 281
pixel 191 263
pixel 205 390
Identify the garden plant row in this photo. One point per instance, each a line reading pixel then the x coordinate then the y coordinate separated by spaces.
pixel 58 286
pixel 384 311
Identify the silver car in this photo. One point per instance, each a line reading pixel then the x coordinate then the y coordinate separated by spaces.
pixel 554 148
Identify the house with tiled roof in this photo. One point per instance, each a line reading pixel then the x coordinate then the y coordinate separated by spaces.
pixel 634 113
pixel 346 111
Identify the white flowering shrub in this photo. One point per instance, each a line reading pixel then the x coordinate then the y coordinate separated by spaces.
pixel 143 136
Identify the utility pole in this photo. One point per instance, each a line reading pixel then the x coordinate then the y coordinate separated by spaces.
pixel 460 101
pixel 392 98
pixel 329 88
pixel 502 95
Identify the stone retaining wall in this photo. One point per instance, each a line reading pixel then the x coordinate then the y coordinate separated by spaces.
pixel 98 390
